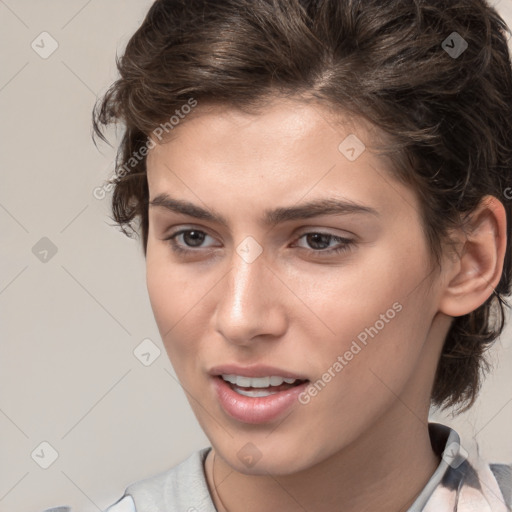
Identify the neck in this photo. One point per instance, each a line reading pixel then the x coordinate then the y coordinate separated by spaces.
pixel 385 469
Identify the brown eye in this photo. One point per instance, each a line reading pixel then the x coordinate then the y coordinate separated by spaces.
pixel 318 239
pixel 318 242
pixel 191 239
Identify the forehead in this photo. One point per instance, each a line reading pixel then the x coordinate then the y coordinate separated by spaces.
pixel 289 116
pixel 284 151
pixel 283 130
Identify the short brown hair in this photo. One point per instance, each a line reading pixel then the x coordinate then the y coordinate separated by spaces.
pixel 448 116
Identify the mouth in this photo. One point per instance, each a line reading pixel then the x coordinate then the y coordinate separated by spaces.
pixel 256 394
pixel 257 387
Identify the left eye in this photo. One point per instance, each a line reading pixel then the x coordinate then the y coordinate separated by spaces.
pixel 315 240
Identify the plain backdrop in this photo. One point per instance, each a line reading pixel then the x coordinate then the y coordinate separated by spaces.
pixel 81 416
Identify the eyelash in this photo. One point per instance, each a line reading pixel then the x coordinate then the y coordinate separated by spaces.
pixel 347 243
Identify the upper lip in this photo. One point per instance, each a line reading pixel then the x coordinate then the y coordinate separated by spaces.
pixel 257 370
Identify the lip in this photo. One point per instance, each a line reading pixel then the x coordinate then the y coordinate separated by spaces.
pixel 259 409
pixel 257 370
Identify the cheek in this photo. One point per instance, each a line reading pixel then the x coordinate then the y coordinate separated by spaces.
pixel 170 288
pixel 180 297
pixel 169 297
pixel 161 289
pixel 375 314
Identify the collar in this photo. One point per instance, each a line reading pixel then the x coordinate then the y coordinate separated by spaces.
pixel 463 481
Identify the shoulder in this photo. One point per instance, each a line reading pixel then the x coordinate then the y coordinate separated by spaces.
pixel 170 490
pixel 503 475
pixel 125 504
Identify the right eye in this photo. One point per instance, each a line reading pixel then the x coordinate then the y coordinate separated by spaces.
pixel 191 238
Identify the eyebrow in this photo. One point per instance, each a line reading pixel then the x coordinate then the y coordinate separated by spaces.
pixel 326 206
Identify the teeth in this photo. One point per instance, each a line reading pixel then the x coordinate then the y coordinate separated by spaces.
pixel 255 393
pixel 256 382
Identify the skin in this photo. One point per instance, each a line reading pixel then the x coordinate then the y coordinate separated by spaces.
pixel 298 310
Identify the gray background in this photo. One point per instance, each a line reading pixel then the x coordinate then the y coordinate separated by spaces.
pixel 71 321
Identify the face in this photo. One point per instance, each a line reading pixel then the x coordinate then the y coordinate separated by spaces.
pixel 252 279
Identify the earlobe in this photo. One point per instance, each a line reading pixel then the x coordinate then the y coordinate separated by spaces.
pixel 479 262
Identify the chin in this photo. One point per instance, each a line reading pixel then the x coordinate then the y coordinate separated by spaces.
pixel 267 459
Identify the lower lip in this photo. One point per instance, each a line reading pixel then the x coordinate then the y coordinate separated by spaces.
pixel 259 409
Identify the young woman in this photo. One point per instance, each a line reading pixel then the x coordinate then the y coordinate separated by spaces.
pixel 323 195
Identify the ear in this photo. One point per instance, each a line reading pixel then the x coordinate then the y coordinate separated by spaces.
pixel 476 269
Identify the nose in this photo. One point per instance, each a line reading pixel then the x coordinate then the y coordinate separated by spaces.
pixel 251 302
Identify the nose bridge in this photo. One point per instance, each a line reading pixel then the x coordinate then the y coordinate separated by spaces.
pixel 245 278
pixel 247 305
